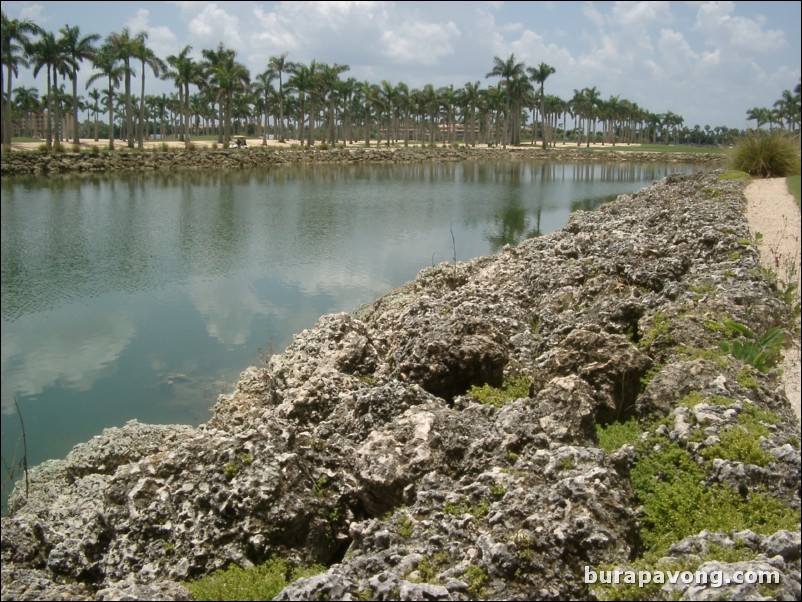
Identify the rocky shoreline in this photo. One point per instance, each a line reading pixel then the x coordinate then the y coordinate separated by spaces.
pixel 446 441
pixel 32 162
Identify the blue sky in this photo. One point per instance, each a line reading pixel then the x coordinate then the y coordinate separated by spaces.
pixel 707 61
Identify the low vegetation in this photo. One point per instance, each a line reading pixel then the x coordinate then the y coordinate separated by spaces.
pixel 766 154
pixel 670 485
pixel 763 352
pixel 513 387
pixel 262 582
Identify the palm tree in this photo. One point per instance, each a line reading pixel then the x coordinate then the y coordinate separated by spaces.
pixel 522 94
pixel 94 95
pixel 388 95
pixel 262 88
pixel 555 107
pixel 278 65
pixel 229 77
pixel 148 58
pixel 493 104
pixel 330 82
pixel 107 63
pixel 77 48
pixel 241 108
pixel 48 53
pixel 539 75
pixel 507 70
pixel 609 112
pixel 125 47
pixel 585 106
pixel 448 98
pixel 27 102
pixel 788 108
pixel 185 72
pixel 403 102
pixel 430 106
pixel 756 113
pixel 348 90
pixel 15 46
pixel 303 81
pixel 470 100
pixel 213 58
pixel 371 97
pixel 160 106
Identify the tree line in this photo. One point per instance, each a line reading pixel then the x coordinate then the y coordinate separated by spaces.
pixel 314 102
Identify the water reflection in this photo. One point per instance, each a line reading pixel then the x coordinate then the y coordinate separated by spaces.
pixel 144 295
pixel 71 353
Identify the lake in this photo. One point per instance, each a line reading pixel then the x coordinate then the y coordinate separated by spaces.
pixel 144 296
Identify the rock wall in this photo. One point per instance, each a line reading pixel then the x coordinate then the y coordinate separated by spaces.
pixel 365 447
pixel 20 163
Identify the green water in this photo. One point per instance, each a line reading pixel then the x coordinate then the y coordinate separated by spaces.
pixel 144 296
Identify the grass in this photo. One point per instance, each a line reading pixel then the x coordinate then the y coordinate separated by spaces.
pixel 617 434
pixel 766 154
pixel 734 174
pixel 668 481
pixel 262 582
pixel 512 388
pixel 794 188
pixel 665 148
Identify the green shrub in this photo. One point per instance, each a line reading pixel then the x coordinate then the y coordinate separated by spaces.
pixel 465 507
pixel 262 582
pixel 746 380
pixel 766 154
pixel 761 352
pixel 477 578
pixel 742 442
pixel 616 434
pixel 513 387
pixel 669 485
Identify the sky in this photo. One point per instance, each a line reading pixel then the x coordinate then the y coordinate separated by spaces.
pixel 709 62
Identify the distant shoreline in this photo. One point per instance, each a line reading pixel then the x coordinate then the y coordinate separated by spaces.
pixel 158 156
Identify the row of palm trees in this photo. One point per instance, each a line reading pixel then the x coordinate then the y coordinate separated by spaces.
pixel 785 112
pixel 312 102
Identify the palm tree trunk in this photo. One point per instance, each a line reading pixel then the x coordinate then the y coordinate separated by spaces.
pixel 75 137
pixel 48 125
pixel 111 117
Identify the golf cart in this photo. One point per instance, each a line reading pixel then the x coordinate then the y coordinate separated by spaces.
pixel 237 142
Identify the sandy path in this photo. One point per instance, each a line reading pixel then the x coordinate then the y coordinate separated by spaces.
pixel 772 211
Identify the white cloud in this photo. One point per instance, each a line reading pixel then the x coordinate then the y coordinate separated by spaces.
pixel 420 42
pixel 33 12
pixel 592 14
pixel 161 39
pixel 273 31
pixel 214 25
pixel 641 14
pixel 717 22
pixel 675 52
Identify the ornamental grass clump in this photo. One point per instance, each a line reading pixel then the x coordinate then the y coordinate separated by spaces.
pixel 766 154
